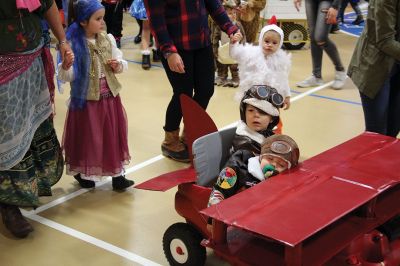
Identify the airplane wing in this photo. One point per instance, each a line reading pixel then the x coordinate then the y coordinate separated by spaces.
pixel 294 206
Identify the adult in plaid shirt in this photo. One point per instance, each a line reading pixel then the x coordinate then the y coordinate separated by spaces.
pixel 180 28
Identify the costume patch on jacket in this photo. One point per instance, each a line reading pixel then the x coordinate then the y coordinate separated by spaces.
pixel 227 178
pixel 215 197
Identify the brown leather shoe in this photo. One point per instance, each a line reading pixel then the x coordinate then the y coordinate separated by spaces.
pixel 14 221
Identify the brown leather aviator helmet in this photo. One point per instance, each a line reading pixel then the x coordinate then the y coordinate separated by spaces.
pixel 282 146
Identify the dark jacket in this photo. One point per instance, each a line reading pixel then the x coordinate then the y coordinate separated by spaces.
pixel 378 47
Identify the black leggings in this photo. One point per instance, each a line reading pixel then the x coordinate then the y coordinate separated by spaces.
pixel 113 19
pixel 198 79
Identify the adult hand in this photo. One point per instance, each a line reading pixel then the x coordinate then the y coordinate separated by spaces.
pixel 331 15
pixel 297 4
pixel 237 37
pixel 175 63
pixel 64 50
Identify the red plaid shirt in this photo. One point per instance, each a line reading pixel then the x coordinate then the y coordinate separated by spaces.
pixel 183 24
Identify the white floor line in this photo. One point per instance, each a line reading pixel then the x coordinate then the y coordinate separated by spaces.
pixel 91 240
pixel 98 184
pixel 304 94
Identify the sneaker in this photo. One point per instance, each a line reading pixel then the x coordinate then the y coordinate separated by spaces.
pixel 311 81
pixel 340 78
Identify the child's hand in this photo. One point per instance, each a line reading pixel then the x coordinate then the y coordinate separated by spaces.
pixel 68 60
pixel 237 37
pixel 114 64
pixel 286 103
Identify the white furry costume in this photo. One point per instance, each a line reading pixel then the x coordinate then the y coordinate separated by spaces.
pixel 255 68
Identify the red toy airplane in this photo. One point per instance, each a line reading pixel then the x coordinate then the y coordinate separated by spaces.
pixel 326 211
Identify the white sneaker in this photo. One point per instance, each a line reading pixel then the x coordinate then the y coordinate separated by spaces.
pixel 311 81
pixel 340 79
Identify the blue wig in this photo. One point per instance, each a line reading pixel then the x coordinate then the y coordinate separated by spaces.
pixel 76 35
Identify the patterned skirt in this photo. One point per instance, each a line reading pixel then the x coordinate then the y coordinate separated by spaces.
pixel 41 167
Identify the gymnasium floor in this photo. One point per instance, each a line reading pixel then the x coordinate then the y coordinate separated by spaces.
pixel 102 227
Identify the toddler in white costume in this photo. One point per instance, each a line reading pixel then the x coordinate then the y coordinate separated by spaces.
pixel 265 64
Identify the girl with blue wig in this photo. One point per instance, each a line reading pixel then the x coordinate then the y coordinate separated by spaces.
pixel 95 139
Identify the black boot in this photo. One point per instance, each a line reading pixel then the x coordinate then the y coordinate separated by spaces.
pixel 358 20
pixel 146 65
pixel 121 183
pixel 156 56
pixel 151 40
pixel 138 39
pixel 83 182
pixel 14 221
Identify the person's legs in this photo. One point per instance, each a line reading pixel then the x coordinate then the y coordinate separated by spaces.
pixel 360 18
pixel 376 110
pixel 222 74
pixel 382 113
pixel 342 8
pixel 108 15
pixel 138 37
pixel 146 64
pixel 313 14
pixel 40 168
pixel 203 72
pixel 235 75
pixel 117 23
pixel 321 39
pixel 393 124
pixel 181 83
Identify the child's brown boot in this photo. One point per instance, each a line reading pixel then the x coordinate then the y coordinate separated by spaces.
pixel 173 148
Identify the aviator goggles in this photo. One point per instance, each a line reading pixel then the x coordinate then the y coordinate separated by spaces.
pixel 265 92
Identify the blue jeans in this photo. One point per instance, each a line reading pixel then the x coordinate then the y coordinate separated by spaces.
pixel 382 113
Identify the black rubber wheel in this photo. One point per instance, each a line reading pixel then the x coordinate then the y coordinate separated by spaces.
pixel 295 36
pixel 181 244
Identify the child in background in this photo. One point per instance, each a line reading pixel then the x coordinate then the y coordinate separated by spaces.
pixel 138 11
pixel 113 18
pixel 218 39
pixel 264 64
pixel 278 154
pixel 95 136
